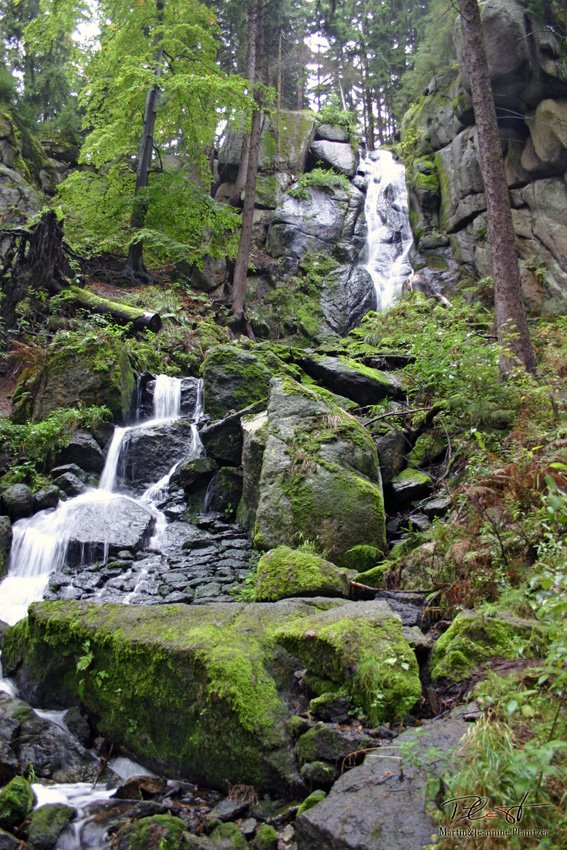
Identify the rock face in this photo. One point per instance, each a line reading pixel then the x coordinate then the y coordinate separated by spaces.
pixel 347 294
pixel 320 479
pixel 380 805
pixel 95 374
pixel 207 686
pixel 527 70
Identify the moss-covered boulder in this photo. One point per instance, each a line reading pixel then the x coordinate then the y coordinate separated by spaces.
pixel 164 832
pixel 411 484
pixel 320 478
pixel 46 825
pixel 233 379
pixel 285 572
pixel 227 836
pixel 202 691
pixel 474 637
pixel 16 802
pixel 266 838
pixel 352 379
pixel 91 370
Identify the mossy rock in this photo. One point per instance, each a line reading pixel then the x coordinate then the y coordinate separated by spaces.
pixel 474 637
pixel 94 371
pixel 310 801
pixel 285 572
pixel 320 477
pixel 203 691
pixel 362 653
pixel 164 832
pixel 427 449
pixel 361 557
pixel 235 378
pixel 46 825
pixel 374 577
pixel 16 802
pixel 227 836
pixel 266 838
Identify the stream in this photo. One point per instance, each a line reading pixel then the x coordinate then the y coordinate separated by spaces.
pixel 53 544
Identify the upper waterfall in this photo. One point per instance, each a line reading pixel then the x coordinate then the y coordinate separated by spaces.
pixel 389 236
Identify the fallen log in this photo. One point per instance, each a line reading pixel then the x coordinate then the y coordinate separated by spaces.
pixel 124 314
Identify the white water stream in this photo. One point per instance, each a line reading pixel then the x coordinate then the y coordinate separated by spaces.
pixel 389 236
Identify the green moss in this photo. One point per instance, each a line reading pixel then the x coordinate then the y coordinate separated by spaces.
pixel 415 476
pixel 47 823
pixel 285 572
pixel 361 557
pixel 266 838
pixel 163 832
pixel 475 637
pixel 375 576
pixel 310 801
pixel 229 836
pixel 16 802
pixel 376 665
pixel 427 449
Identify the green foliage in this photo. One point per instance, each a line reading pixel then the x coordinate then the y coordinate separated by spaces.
pixel 332 112
pixel 37 443
pixel 320 178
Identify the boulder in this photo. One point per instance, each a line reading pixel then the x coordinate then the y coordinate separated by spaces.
pixel 93 536
pixel 97 372
pixel 352 379
pixel 475 636
pixel 148 453
pixel 411 484
pixel 212 276
pixel 5 543
pixel 320 479
pixel 46 825
pixel 347 294
pixel 196 473
pixel 392 448
pixel 47 497
pixel 332 133
pixel 284 572
pixel 165 832
pixel 208 685
pixel 380 805
pixel 337 155
pixel 17 501
pixel 223 440
pixel 234 379
pixel 225 491
pixel 83 450
pixel 548 131
pixel 70 484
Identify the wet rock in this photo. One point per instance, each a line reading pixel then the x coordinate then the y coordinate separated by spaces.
pixel 26 739
pixel 141 788
pixel 17 501
pixel 196 473
pixel 5 543
pixel 9 842
pixel 70 484
pixel 330 744
pixel 376 807
pixel 351 379
pixel 72 468
pixel 78 725
pixel 46 498
pixel 223 440
pixel 46 825
pixel 190 391
pixel 225 491
pixel 83 450
pixel 148 453
pixel 92 536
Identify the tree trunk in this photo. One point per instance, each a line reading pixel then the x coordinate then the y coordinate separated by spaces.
pixel 124 314
pixel 240 182
pixel 135 265
pixel 511 323
pixel 241 266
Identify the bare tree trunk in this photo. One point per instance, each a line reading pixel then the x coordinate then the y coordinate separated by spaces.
pixel 241 266
pixel 135 265
pixel 240 181
pixel 511 323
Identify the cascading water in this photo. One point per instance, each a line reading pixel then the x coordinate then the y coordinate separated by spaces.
pixel 389 236
pixel 40 543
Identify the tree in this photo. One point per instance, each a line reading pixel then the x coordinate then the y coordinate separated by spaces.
pixel 256 42
pixel 511 323
pixel 153 99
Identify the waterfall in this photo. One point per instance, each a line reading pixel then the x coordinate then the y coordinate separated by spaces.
pixel 40 542
pixel 389 236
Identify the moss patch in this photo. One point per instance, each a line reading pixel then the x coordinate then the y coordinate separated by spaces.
pixel 475 637
pixel 16 802
pixel 285 572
